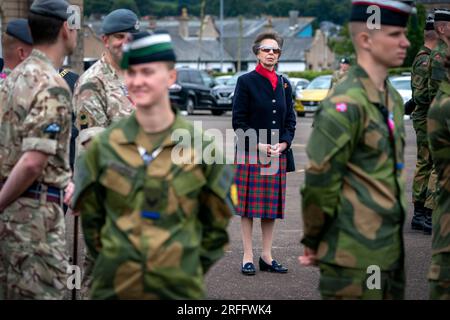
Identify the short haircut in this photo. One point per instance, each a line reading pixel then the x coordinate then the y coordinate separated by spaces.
pixel 430 35
pixel 170 65
pixel 7 42
pixel 438 25
pixel 44 30
pixel 266 35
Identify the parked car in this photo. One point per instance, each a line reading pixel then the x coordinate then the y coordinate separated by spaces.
pixel 300 85
pixel 308 99
pixel 192 91
pixel 224 93
pixel 403 85
pixel 222 80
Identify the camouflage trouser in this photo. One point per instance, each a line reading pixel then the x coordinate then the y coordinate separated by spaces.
pixel 88 266
pixel 33 258
pixel 439 276
pixel 345 283
pixel 440 289
pixel 425 178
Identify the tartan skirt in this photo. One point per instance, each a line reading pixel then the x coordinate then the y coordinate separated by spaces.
pixel 261 192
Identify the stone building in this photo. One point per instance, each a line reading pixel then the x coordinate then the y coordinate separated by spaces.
pixel 10 9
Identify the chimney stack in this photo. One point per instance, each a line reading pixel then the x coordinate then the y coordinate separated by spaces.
pixel 184 24
pixel 293 18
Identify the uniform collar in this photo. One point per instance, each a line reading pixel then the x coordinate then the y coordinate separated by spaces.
pixel 38 54
pixel 425 49
pixel 111 70
pixel 131 130
pixel 373 94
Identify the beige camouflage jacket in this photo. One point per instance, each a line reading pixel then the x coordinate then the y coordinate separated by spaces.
pixel 100 97
pixel 35 115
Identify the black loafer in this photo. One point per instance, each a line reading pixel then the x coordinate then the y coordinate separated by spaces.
pixel 275 267
pixel 249 269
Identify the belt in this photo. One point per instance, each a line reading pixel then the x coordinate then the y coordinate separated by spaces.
pixel 34 192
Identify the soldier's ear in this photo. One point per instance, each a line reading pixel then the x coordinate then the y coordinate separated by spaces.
pixel 105 41
pixel 172 77
pixel 363 40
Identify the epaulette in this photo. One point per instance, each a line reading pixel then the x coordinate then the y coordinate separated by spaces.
pixel 63 72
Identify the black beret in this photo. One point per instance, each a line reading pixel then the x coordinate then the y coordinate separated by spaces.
pixel 51 8
pixel 429 25
pixel 345 61
pixel 18 28
pixel 441 15
pixel 393 12
pixel 120 20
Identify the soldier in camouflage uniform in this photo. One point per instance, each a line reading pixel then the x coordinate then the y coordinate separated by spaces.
pixel 34 164
pixel 437 56
pixel 340 74
pixel 101 97
pixel 424 164
pixel 16 45
pixel 155 225
pixel 437 75
pixel 439 137
pixel 353 199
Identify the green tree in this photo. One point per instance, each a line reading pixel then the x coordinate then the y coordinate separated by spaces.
pixel 343 46
pixel 96 7
pixel 416 25
pixel 144 6
pixel 125 4
pixel 332 10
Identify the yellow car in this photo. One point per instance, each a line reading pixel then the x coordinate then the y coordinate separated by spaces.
pixel 307 100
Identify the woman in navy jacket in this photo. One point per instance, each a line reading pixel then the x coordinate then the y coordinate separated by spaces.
pixel 262 102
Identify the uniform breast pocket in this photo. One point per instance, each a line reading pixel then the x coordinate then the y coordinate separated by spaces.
pixel 119 185
pixel 376 136
pixel 188 186
pixel 419 81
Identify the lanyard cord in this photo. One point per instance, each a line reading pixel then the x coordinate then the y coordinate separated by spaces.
pixel 149 157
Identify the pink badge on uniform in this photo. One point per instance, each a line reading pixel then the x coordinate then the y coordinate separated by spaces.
pixel 341 107
pixel 391 122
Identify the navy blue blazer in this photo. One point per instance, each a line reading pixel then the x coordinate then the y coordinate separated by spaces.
pixel 257 106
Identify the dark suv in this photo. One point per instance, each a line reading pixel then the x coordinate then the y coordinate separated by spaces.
pixel 192 91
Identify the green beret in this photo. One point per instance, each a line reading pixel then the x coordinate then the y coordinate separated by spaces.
pixel 148 47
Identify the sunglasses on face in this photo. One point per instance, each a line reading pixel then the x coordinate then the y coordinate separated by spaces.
pixel 267 49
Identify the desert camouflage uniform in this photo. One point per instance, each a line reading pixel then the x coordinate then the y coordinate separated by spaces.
pixel 100 97
pixel 154 229
pixel 3 75
pixel 424 183
pixel 353 198
pixel 35 116
pixel 439 137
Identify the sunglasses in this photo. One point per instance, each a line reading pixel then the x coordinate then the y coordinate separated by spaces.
pixel 268 49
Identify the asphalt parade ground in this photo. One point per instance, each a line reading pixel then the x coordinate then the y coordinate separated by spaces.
pixel 226 282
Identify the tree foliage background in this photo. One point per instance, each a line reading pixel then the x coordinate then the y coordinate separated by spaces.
pixel 330 10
